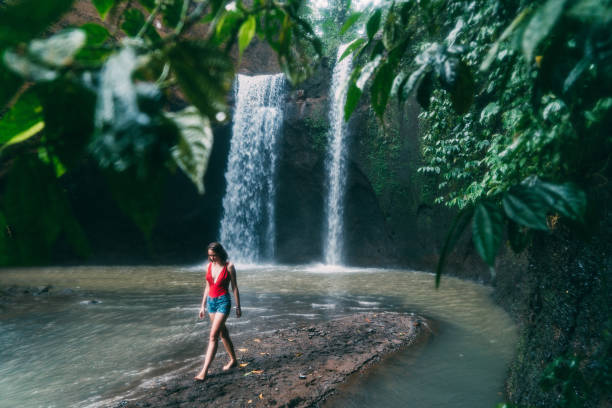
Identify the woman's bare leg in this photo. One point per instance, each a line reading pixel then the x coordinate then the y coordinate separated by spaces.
pixel 218 320
pixel 229 347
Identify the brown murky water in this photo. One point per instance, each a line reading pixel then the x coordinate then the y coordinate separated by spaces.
pixel 118 328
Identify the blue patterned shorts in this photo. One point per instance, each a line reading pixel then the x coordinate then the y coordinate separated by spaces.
pixel 221 304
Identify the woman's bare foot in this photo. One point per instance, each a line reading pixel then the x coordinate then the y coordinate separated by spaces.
pixel 200 377
pixel 229 365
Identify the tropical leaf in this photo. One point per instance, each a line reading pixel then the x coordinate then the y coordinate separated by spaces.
pixel 229 22
pixel 526 207
pixel 103 6
pixel 22 121
pixel 487 230
pixel 353 95
pixel 381 88
pixel 96 34
pixel 350 21
pixel 461 221
pixel 540 25
pixel 195 144
pixel 373 23
pixel 358 43
pixel 204 73
pixel 246 33
pixel 566 198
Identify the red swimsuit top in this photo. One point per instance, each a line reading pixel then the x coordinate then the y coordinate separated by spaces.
pixel 219 288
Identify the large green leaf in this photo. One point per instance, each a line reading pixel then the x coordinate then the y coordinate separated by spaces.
pixel 461 221
pixel 353 95
pixel 352 47
pixel 204 73
pixel 94 53
pixel 381 87
pixel 134 21
pixel 228 24
pixel 103 6
pixel 373 23
pixel 25 19
pixel 22 121
pixel 350 21
pixel 566 198
pixel 195 144
pixel 526 206
pixel 541 24
pixel 246 33
pixel 487 230
pixel 96 34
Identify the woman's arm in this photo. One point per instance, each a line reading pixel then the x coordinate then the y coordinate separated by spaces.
pixel 232 272
pixel 203 306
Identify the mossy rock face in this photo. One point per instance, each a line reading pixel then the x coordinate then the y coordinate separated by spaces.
pixel 562 303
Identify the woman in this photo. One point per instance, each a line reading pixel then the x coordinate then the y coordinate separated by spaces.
pixel 216 297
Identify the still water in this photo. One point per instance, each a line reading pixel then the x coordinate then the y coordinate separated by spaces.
pixel 123 328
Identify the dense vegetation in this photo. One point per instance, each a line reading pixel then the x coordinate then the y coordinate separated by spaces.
pixel 516 98
pixel 109 92
pixel 517 108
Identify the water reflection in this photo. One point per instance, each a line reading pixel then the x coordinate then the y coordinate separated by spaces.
pixel 125 327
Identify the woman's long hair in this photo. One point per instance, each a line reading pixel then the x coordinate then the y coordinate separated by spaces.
pixel 218 249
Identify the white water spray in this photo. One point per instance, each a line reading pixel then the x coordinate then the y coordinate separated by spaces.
pixel 248 224
pixel 336 162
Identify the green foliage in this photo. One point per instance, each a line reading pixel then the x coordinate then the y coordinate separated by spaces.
pixel 488 230
pixel 90 94
pixel 499 85
pixel 103 6
pixel 22 121
pixel 36 214
pixel 195 144
pixel 246 33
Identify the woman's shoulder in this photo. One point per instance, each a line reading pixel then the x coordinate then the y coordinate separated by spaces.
pixel 230 266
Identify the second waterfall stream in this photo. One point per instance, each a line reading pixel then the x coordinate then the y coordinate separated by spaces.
pixel 336 162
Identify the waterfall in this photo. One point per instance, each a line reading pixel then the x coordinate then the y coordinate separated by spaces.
pixel 248 224
pixel 336 162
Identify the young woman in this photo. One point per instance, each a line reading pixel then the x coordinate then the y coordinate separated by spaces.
pixel 217 300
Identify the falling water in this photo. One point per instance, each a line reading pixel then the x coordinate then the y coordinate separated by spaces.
pixel 336 162
pixel 247 226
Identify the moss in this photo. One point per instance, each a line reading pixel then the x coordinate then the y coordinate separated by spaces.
pixel 317 129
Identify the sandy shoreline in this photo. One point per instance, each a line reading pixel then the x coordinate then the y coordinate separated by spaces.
pixel 295 367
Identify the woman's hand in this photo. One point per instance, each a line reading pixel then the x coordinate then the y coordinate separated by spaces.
pixel 201 313
pixel 238 311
